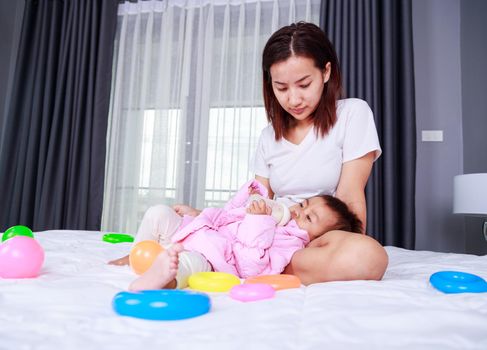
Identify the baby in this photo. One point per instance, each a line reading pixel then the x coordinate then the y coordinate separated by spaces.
pixel 250 236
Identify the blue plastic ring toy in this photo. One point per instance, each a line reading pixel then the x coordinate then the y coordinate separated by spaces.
pixel 164 304
pixel 458 282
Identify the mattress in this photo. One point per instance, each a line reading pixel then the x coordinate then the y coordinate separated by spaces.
pixel 69 306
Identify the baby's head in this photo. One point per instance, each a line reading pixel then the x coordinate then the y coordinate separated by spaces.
pixel 320 214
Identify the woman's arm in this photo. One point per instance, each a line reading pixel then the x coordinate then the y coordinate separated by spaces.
pixel 265 182
pixel 340 255
pixel 351 187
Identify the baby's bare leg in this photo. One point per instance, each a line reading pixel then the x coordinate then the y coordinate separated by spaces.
pixel 159 223
pixel 162 273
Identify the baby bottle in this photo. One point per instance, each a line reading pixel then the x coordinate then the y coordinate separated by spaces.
pixel 279 211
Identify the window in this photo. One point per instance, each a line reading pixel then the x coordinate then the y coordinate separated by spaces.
pixel 167 123
pixel 186 106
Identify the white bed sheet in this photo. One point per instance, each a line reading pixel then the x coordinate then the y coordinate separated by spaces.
pixel 69 307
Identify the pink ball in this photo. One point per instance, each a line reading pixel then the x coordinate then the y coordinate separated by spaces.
pixel 20 257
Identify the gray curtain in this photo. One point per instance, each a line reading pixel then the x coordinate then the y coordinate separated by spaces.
pixel 53 146
pixel 373 40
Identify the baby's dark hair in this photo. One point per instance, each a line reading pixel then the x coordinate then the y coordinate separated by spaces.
pixel 346 219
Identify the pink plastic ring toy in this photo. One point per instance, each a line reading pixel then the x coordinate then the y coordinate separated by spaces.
pixel 252 292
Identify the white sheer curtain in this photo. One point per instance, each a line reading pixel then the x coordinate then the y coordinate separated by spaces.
pixel 186 107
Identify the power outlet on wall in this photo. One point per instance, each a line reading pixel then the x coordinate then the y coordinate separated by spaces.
pixel 432 135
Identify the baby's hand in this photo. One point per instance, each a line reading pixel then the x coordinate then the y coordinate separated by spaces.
pixel 259 208
pixel 183 209
pixel 253 189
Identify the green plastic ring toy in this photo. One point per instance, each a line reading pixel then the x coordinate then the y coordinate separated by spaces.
pixel 18 230
pixel 117 238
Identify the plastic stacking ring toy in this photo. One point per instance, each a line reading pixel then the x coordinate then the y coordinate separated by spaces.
pixel 117 238
pixel 458 282
pixel 213 281
pixel 252 292
pixel 277 282
pixel 164 304
pixel 18 230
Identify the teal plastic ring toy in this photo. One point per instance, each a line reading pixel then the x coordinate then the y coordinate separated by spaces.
pixel 458 282
pixel 164 304
pixel 117 238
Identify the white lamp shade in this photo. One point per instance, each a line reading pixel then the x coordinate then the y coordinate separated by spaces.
pixel 470 194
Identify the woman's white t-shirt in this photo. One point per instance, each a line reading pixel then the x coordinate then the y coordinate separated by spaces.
pixel 313 167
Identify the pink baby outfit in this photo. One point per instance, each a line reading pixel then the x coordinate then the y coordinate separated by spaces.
pixel 240 243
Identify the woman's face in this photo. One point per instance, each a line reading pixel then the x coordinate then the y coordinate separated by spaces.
pixel 298 85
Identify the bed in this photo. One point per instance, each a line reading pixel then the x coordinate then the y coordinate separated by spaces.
pixel 69 307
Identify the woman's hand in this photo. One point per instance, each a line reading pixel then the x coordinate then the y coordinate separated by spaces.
pixel 259 208
pixel 183 209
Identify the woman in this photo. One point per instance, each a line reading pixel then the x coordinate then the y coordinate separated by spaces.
pixel 316 144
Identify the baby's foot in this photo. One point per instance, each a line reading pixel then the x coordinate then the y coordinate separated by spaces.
pixel 162 272
pixel 120 261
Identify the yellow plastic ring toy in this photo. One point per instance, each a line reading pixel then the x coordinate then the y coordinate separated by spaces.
pixel 213 281
pixel 277 282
